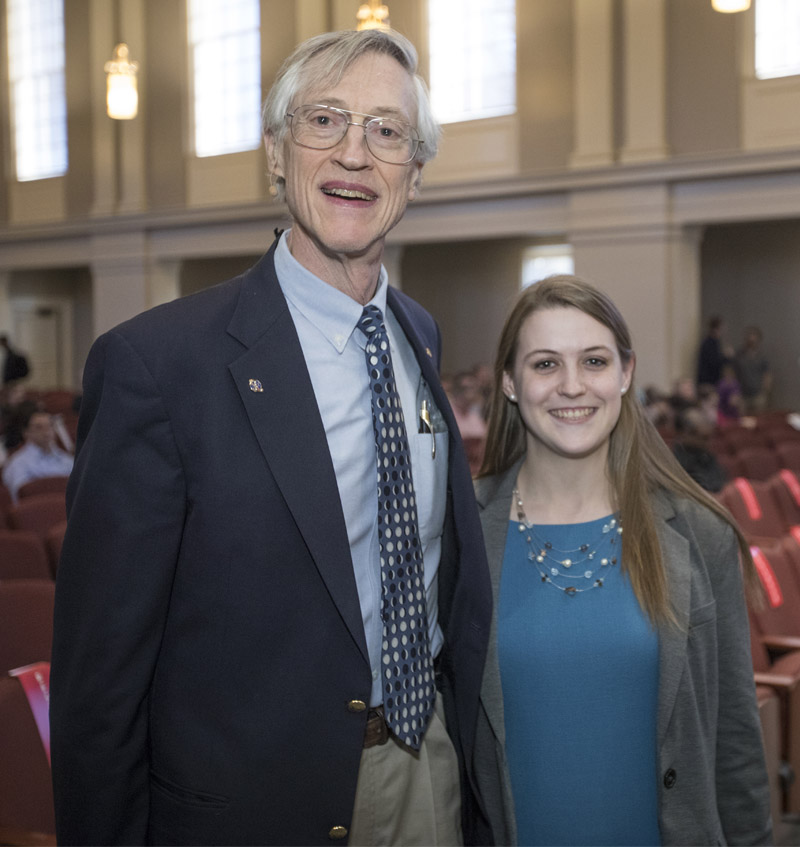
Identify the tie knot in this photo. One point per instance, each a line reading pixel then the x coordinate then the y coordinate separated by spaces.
pixel 371 320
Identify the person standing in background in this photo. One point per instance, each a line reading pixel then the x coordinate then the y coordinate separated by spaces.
pixel 15 366
pixel 755 376
pixel 711 354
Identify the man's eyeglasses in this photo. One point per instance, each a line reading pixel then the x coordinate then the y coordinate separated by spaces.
pixel 322 127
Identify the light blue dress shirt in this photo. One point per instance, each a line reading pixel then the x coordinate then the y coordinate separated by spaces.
pixel 31 462
pixel 333 347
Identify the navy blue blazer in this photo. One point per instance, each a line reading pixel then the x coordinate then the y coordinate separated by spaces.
pixel 208 633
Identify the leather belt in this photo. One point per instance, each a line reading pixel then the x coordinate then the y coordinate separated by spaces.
pixel 377 731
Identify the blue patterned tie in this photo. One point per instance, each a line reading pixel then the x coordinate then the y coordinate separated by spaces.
pixel 409 688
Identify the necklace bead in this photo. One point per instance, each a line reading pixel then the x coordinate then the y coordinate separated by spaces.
pixel 611 530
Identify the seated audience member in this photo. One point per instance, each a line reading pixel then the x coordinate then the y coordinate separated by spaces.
pixel 754 373
pixel 38 457
pixel 693 432
pixel 464 396
pixel 729 392
pixel 16 409
pixel 684 394
pixel 657 408
pixel 708 402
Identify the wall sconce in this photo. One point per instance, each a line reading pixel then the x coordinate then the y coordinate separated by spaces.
pixel 373 15
pixel 730 6
pixel 122 96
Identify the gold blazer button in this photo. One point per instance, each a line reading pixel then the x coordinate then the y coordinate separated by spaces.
pixel 338 832
pixel 356 706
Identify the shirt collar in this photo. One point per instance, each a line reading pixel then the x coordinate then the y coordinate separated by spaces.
pixel 331 311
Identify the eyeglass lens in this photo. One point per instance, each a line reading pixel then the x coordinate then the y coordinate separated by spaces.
pixel 322 127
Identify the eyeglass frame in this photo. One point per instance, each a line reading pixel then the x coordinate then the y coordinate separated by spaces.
pixel 349 114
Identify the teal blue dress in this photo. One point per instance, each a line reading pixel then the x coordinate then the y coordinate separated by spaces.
pixel 579 674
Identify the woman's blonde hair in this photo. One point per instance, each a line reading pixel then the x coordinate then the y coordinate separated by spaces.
pixel 639 461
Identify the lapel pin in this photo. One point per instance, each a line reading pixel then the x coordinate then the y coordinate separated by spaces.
pixel 255 385
pixel 428 351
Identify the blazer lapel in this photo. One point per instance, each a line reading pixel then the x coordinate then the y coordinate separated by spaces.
pixel 276 391
pixel 672 638
pixel 494 499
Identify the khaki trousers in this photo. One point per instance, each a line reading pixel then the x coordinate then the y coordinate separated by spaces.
pixel 408 798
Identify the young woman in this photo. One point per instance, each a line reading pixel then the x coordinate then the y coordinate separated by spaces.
pixel 618 704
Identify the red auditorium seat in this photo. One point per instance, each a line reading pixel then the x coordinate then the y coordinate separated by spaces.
pixel 755 508
pixel 780 614
pixel 776 664
pixel 785 487
pixel 26 622
pixel 53 543
pixel 757 462
pixel 788 453
pixel 730 464
pixel 737 438
pixel 26 794
pixel 5 505
pixel 38 513
pixel 769 712
pixel 43 485
pixel 23 556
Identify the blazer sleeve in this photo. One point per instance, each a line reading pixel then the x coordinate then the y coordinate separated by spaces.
pixel 741 779
pixel 126 507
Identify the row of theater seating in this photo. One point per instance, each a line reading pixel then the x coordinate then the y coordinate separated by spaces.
pixel 764 498
pixel 31 533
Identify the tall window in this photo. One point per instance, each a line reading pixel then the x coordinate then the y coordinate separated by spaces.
pixel 225 46
pixel 36 77
pixel 473 56
pixel 777 38
pixel 546 260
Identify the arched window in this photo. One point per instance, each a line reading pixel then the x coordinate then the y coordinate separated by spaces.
pixel 225 50
pixel 36 79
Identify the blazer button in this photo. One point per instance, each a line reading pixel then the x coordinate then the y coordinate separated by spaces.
pixel 338 832
pixel 669 778
pixel 356 706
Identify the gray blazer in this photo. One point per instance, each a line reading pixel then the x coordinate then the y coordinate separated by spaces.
pixel 711 773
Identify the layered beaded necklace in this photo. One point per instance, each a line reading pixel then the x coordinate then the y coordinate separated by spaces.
pixel 583 567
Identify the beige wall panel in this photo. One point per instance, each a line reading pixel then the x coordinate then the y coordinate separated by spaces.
pixel 475 150
pixel 80 177
pixel 544 83
pixel 703 78
pixel 284 24
pixel 6 159
pixel 771 113
pixel 37 201
pixel 469 288
pixel 223 180
pixel 164 103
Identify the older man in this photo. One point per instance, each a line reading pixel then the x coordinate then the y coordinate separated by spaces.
pixel 255 642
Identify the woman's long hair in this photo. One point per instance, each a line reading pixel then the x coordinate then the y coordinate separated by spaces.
pixel 639 462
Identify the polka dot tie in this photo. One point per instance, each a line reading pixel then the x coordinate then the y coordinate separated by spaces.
pixel 409 688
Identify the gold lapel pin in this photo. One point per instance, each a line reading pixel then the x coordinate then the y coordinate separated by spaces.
pixel 255 385
pixel 428 351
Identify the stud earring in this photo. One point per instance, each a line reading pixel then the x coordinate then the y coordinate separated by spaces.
pixel 512 398
pixel 624 389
